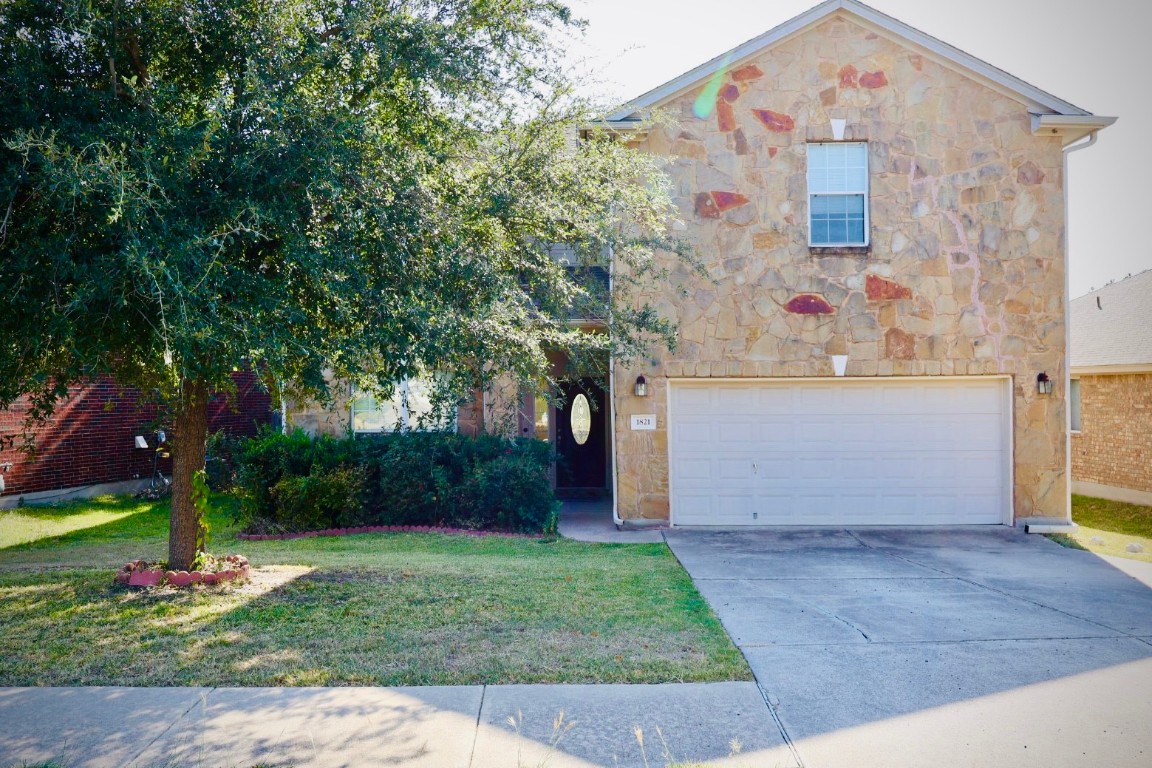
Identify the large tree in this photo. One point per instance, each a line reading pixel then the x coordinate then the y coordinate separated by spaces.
pixel 315 188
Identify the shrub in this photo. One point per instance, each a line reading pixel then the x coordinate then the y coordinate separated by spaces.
pixel 222 456
pixel 324 498
pixel 295 482
pixel 263 461
pixel 510 493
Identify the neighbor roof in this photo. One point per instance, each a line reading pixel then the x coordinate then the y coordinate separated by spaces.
pixel 1048 110
pixel 1113 326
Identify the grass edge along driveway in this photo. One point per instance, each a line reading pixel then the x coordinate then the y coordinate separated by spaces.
pixel 371 609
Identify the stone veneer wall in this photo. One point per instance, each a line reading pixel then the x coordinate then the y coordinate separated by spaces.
pixel 1114 444
pixel 965 275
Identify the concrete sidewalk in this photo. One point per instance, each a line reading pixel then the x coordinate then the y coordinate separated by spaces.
pixel 561 726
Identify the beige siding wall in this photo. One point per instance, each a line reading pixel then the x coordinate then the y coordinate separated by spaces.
pixel 1114 445
pixel 965 275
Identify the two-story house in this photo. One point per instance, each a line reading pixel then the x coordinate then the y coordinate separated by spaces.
pixel 880 337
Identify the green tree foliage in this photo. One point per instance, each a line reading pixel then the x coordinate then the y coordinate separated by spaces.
pixel 370 187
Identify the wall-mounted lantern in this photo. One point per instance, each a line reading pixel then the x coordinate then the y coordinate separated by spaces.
pixel 641 388
pixel 1043 384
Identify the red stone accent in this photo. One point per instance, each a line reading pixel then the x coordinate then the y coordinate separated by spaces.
pixel 879 289
pixel 730 92
pixel 741 142
pixel 848 76
pixel 809 304
pixel 710 205
pixel 747 72
pixel 774 121
pixel 873 79
pixel 706 207
pixel 726 201
pixel 772 151
pixel 899 344
pixel 1030 174
pixel 725 116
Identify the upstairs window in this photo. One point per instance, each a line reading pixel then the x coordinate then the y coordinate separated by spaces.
pixel 838 195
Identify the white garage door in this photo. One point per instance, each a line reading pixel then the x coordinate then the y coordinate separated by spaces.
pixel 847 452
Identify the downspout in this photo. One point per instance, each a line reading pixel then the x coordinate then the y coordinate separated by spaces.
pixel 1068 329
pixel 616 519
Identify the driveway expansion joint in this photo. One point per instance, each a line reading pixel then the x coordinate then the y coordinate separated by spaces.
pixel 780 726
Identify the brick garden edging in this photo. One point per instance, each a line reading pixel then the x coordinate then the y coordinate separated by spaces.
pixel 138 574
pixel 381 529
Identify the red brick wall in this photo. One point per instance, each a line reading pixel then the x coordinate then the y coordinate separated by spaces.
pixel 90 438
pixel 1114 446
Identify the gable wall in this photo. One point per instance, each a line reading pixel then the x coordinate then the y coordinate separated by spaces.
pixel 966 270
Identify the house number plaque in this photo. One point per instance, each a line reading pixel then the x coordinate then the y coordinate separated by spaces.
pixel 644 422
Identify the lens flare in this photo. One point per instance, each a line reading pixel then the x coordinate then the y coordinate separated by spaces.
pixel 706 101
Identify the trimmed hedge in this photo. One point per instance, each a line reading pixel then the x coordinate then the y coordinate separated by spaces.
pixel 295 482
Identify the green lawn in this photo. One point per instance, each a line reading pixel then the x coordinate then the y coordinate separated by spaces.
pixel 1109 527
pixel 379 609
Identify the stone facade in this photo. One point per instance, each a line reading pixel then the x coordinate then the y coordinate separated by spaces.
pixel 1114 444
pixel 965 273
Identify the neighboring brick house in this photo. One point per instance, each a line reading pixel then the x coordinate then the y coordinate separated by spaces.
pixel 1112 391
pixel 880 217
pixel 89 443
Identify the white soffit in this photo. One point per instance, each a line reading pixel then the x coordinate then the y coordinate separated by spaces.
pixel 1038 101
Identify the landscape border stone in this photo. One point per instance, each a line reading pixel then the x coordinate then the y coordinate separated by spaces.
pixel 139 573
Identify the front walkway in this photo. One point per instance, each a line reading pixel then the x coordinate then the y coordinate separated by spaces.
pixel 592 521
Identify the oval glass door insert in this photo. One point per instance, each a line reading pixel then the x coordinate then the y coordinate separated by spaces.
pixel 581 419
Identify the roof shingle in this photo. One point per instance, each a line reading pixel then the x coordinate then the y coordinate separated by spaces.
pixel 1113 326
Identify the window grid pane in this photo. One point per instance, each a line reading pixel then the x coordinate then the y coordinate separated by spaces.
pixel 837 189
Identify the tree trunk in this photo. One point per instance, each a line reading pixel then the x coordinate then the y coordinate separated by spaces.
pixel 189 442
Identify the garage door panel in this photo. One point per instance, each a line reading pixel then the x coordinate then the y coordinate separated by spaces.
pixel 729 433
pixel 734 469
pixel 833 453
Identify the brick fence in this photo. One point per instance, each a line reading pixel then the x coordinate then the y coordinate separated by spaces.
pixel 1114 445
pixel 90 438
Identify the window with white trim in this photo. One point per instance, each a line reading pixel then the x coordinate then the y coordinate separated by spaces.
pixel 409 408
pixel 838 195
pixel 1074 403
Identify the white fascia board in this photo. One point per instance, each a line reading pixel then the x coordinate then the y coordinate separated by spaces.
pixel 1070 128
pixel 1037 100
pixel 1110 370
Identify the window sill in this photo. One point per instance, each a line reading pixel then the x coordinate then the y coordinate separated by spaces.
pixel 840 250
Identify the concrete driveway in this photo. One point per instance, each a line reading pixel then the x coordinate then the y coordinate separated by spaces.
pixel 956 647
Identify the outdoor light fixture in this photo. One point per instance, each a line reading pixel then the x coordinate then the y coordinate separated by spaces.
pixel 641 388
pixel 1043 384
pixel 141 442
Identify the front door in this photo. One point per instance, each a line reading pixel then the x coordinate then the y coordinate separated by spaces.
pixel 582 439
